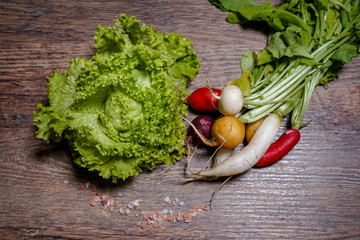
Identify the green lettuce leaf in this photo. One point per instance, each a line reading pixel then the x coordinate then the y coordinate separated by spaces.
pixel 232 5
pixel 120 110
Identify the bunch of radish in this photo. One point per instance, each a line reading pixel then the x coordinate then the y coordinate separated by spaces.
pixel 228 131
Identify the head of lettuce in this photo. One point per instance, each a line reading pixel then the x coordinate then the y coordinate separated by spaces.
pixel 120 110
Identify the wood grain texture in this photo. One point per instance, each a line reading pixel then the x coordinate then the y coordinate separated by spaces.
pixel 313 193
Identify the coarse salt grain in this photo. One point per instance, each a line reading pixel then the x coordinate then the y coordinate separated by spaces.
pixel 136 203
pixel 175 201
pixel 122 211
pixel 195 208
pixel 205 208
pixel 181 203
pixel 160 215
pixel 187 217
pixel 167 200
pixel 179 216
pixel 130 205
pixel 171 218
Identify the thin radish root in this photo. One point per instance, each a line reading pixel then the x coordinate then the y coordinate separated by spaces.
pixel 187 143
pixel 197 178
pixel 211 90
pixel 218 189
pixel 216 153
pixel 190 156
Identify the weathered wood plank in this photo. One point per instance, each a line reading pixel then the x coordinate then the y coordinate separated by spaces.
pixel 313 193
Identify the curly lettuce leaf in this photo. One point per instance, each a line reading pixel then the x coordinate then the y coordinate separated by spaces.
pixel 232 5
pixel 120 109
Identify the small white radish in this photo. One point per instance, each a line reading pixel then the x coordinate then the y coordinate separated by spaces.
pixel 245 159
pixel 231 100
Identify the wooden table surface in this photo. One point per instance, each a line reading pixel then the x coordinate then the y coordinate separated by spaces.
pixel 313 193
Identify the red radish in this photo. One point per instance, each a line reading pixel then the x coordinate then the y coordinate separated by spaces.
pixel 202 100
pixel 203 123
pixel 280 148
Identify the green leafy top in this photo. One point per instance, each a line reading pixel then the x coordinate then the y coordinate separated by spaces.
pixel 308 42
pixel 120 110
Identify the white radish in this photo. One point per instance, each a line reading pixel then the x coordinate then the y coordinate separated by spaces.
pixel 246 158
pixel 231 100
pixel 221 155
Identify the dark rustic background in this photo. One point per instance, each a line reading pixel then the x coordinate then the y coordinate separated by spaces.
pixel 313 193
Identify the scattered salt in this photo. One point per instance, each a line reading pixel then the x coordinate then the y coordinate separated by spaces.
pixel 167 200
pixel 136 203
pixel 179 216
pixel 131 205
pixel 187 217
pixel 148 218
pixel 205 208
pixel 175 201
pixel 122 211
